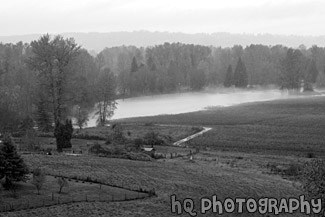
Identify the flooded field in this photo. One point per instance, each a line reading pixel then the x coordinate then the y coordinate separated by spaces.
pixel 188 102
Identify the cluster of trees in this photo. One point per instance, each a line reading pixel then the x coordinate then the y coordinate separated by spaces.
pixel 53 78
pixel 298 71
pixel 13 168
pixel 239 78
pixel 47 80
pixel 174 67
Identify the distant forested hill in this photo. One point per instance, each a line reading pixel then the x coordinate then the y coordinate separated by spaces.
pixel 98 41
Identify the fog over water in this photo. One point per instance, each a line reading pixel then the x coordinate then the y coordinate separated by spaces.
pixel 187 102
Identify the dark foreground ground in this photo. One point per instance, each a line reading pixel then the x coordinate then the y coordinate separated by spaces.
pixel 240 157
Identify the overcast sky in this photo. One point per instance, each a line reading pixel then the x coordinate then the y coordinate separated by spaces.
pixel 297 17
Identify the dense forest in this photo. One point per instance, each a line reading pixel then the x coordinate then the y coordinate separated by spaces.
pixel 52 79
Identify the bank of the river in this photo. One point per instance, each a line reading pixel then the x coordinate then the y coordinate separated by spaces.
pixel 178 103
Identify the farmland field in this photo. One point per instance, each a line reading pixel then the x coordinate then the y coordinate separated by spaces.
pixel 234 160
pixel 285 127
pixel 85 138
pixel 176 176
pixel 75 191
pixel 133 131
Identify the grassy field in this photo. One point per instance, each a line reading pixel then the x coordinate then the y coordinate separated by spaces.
pixel 173 176
pixel 285 127
pixel 26 194
pixel 236 159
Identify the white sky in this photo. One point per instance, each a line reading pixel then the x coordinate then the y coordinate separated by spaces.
pixel 297 17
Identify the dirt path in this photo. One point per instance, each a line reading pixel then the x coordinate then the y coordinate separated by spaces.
pixel 180 142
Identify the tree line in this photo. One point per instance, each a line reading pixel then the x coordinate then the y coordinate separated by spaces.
pixel 53 78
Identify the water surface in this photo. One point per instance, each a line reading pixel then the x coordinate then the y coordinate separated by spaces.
pixel 188 102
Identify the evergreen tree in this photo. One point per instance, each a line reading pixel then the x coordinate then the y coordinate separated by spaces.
pixel 240 75
pixel 229 77
pixel 134 65
pixel 63 134
pixel 310 76
pixel 197 79
pixel 293 68
pixel 312 72
pixel 151 64
pixel 12 166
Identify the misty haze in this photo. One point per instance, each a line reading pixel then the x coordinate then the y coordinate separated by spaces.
pixel 188 102
pixel 162 108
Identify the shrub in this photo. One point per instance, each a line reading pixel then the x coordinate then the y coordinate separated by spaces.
pixel 138 143
pixel 294 170
pixel 117 135
pixel 48 150
pixel 310 155
pixel 118 152
pixel 88 137
pixel 96 149
pixel 313 181
pixel 138 156
pixel 158 156
pixel 152 139
pixel 196 129
pixel 12 166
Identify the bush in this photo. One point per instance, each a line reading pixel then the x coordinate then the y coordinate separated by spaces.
pixel 96 149
pixel 138 156
pixel 196 129
pixel 310 155
pixel 138 143
pixel 12 166
pixel 152 139
pixel 158 156
pixel 117 135
pixel 88 137
pixel 118 152
pixel 313 181
pixel 48 150
pixel 294 170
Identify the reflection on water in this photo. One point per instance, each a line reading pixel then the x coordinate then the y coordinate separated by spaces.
pixel 187 102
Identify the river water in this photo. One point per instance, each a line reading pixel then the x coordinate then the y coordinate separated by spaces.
pixel 188 102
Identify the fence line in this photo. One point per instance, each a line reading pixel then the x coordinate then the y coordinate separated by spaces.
pixel 90 180
pixel 53 201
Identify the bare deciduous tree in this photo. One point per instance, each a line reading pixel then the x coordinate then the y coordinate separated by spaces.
pixel 62 182
pixel 39 179
pixel 52 60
